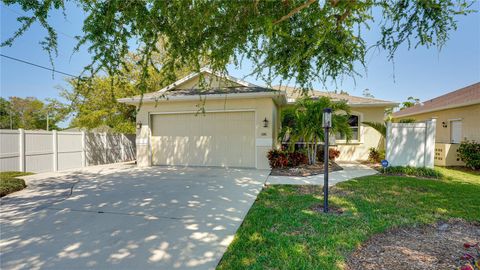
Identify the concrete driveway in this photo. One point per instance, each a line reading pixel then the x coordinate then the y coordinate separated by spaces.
pixel 123 217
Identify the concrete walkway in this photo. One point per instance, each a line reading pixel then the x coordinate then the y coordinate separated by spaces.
pixel 350 170
pixel 124 217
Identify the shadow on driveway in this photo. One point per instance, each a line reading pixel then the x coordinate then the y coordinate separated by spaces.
pixel 125 217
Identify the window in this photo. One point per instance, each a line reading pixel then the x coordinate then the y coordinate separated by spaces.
pixel 353 122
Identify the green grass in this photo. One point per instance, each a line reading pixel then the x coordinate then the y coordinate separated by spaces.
pixel 281 231
pixel 412 171
pixel 9 184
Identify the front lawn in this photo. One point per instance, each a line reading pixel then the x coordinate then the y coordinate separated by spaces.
pixel 283 231
pixel 9 183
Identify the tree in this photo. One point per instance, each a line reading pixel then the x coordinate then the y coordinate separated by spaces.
pixel 6 116
pixel 30 113
pixel 303 123
pixel 93 102
pixel 366 93
pixel 342 92
pixel 307 40
pixel 411 101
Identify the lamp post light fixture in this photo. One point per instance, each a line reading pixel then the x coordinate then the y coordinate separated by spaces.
pixel 327 124
pixel 139 125
pixel 265 122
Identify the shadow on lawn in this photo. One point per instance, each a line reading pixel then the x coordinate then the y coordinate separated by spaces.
pixel 282 231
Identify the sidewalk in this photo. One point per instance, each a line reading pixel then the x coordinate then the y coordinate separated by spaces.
pixel 350 170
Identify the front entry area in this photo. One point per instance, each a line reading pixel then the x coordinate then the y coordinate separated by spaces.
pixel 225 139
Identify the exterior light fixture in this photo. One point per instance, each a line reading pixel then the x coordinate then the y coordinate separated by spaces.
pixel 139 125
pixel 444 124
pixel 265 122
pixel 327 124
pixel 327 118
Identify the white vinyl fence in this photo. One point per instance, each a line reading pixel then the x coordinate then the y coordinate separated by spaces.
pixel 411 144
pixel 46 151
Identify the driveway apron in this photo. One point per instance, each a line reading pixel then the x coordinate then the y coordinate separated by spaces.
pixel 129 218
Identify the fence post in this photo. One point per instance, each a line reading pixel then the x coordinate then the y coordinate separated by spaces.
pixel 122 147
pixel 387 144
pixel 105 158
pixel 430 143
pixel 21 149
pixel 55 150
pixel 84 155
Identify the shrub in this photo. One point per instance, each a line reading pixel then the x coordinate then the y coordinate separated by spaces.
pixel 9 184
pixel 332 154
pixel 297 158
pixel 469 152
pixel 277 158
pixel 282 158
pixel 413 171
pixel 375 155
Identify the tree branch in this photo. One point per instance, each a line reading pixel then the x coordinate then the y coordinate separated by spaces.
pixel 295 11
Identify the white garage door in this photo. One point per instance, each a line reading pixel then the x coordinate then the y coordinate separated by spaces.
pixel 210 139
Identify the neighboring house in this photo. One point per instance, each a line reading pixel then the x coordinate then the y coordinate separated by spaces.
pixel 231 123
pixel 457 114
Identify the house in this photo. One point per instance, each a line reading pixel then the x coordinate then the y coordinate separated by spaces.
pixel 457 114
pixel 362 110
pixel 229 122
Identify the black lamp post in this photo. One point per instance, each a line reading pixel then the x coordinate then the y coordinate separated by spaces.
pixel 327 124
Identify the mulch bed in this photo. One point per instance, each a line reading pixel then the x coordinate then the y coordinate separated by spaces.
pixel 436 246
pixel 305 170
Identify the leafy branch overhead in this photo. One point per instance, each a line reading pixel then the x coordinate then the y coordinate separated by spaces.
pixel 303 39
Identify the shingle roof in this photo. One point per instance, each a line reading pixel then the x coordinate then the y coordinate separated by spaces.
pixel 465 96
pixel 294 93
pixel 223 90
pixel 208 91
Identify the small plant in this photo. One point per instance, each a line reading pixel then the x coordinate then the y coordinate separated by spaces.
pixel 277 158
pixel 282 158
pixel 471 258
pixel 332 154
pixel 469 152
pixel 375 155
pixel 413 171
pixel 297 158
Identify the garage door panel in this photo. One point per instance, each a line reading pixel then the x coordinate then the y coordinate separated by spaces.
pixel 211 139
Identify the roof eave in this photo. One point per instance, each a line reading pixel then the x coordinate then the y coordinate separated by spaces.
pixel 396 114
pixel 377 104
pixel 135 101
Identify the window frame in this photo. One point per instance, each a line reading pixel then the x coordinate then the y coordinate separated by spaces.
pixel 359 139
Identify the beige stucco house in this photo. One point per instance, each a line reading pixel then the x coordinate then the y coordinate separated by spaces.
pixel 457 117
pixel 230 123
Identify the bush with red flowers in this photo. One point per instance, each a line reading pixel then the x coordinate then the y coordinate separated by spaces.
pixel 471 258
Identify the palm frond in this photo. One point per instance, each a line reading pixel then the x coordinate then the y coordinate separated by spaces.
pixel 380 127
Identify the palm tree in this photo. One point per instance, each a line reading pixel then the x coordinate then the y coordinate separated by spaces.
pixel 304 123
pixel 382 127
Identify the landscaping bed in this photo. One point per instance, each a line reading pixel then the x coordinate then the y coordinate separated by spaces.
pixel 305 169
pixel 437 246
pixel 285 228
pixel 10 183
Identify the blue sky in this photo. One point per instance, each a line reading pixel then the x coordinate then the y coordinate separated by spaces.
pixel 423 73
